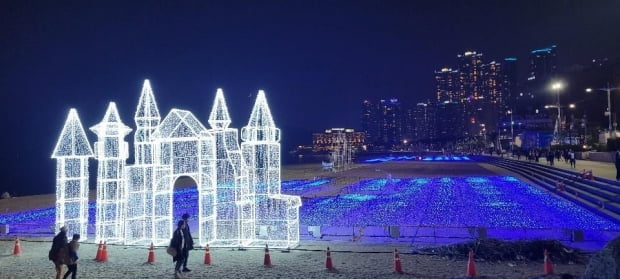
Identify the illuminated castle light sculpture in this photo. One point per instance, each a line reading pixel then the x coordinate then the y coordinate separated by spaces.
pixel 239 199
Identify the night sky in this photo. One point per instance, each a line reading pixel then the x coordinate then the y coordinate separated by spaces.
pixel 316 60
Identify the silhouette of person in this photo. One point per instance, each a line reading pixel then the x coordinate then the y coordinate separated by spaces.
pixel 189 242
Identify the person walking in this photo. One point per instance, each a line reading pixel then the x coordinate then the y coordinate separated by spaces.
pixel 571 159
pixel 189 241
pixel 617 161
pixel 179 244
pixel 59 251
pixel 74 245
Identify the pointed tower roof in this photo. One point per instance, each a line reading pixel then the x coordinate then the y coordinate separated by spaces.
pixel 72 141
pixel 111 125
pixel 219 117
pixel 261 126
pixel 147 107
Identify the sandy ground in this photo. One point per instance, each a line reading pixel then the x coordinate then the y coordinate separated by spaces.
pixel 351 259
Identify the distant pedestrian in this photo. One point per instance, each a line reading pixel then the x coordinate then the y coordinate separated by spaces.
pixel 571 158
pixel 189 241
pixel 60 251
pixel 617 161
pixel 180 245
pixel 74 245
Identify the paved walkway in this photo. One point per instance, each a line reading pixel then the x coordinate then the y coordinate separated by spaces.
pixel 599 169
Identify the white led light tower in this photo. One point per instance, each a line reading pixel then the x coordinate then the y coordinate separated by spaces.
pixel 71 153
pixel 139 177
pixel 276 216
pixel 228 164
pixel 111 150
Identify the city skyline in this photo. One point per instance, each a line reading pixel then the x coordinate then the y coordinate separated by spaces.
pixel 316 61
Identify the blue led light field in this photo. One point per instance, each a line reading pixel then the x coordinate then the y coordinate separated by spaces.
pixel 416 158
pixel 493 202
pixel 298 186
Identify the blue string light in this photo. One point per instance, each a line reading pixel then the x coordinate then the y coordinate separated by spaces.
pixel 494 202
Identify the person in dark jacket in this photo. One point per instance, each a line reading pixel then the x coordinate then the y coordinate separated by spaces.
pixel 617 161
pixel 179 243
pixel 60 251
pixel 189 242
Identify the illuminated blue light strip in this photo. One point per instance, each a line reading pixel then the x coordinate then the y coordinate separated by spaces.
pixel 493 202
pixel 415 158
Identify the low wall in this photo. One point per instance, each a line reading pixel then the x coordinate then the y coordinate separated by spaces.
pixel 596 156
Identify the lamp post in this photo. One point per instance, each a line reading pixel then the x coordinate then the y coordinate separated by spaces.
pixel 557 86
pixel 512 134
pixel 608 90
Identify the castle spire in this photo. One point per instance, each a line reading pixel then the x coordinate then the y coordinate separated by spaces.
pixel 260 126
pixel 111 125
pixel 72 140
pixel 147 113
pixel 219 117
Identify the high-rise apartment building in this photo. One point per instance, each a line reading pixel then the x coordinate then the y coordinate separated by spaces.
pixel 448 121
pixel 390 122
pixel 369 122
pixel 543 63
pixel 542 69
pixel 447 85
pixel 470 67
pixel 470 75
pixel 383 123
pixel 509 81
pixel 423 122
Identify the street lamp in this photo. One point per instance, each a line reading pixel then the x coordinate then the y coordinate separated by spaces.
pixel 557 86
pixel 512 134
pixel 608 89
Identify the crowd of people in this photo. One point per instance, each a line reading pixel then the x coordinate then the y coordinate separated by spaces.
pixel 551 156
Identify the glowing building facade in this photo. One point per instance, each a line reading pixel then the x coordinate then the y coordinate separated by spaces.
pixel 239 199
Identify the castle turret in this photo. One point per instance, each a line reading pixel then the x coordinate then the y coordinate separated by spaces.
pixel 276 215
pixel 228 163
pixel 140 176
pixel 147 119
pixel 71 153
pixel 111 151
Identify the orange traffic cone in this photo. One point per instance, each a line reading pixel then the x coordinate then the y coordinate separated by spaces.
pixel 398 268
pixel 328 261
pixel 104 252
pixel 207 255
pixel 17 249
pixel 151 258
pixel 471 265
pixel 99 251
pixel 547 264
pixel 267 260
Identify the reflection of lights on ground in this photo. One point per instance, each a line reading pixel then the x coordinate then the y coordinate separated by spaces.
pixel 493 202
pixel 416 158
